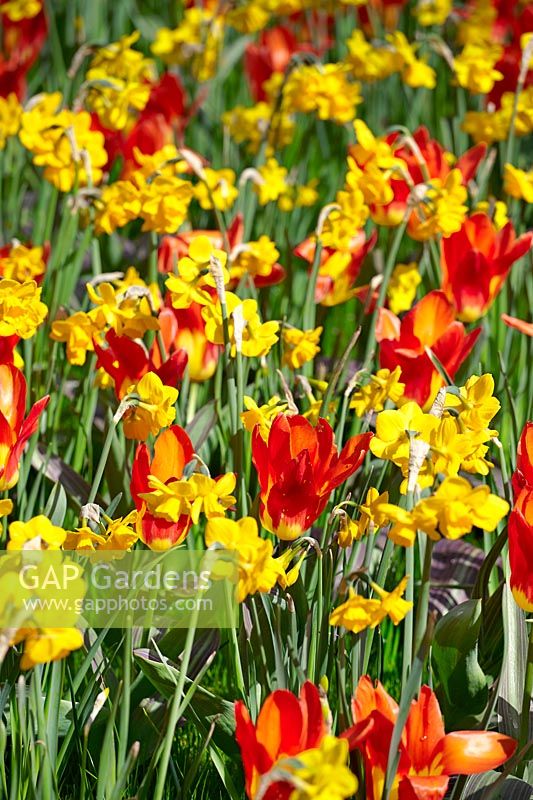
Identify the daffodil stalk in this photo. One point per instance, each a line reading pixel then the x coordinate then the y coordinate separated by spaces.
pixel 524 68
pixel 128 402
pixel 387 272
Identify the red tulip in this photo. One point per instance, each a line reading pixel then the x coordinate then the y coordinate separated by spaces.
pixel 298 468
pixel 172 451
pixel 271 53
pixel 286 726
pixel 428 756
pixel 518 324
pixel 183 330
pixel 126 361
pixel 475 262
pixel 520 527
pixel 429 325
pixel 21 43
pixel 14 429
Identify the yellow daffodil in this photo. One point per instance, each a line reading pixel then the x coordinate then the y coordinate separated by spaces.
pixel 370 518
pixel 384 385
pixel 129 314
pixel 257 337
pixel 17 10
pixel 258 571
pixel 43 645
pixel 359 613
pixel 299 347
pixel 216 189
pixel 154 409
pixel 321 773
pixel 77 331
pixel 261 415
pixel 40 529
pixel 474 67
pixel 401 290
pixel 323 89
pixel 21 309
pixel 10 116
pixel 518 183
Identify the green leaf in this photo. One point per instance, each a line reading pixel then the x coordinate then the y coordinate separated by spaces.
pixel 509 789
pixel 461 684
pixel 204 705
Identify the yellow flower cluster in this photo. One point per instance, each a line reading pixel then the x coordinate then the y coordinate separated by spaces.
pixel 370 63
pixel 251 125
pixel 114 534
pixel 254 259
pixel 63 143
pixel 263 416
pixel 442 209
pixel 272 184
pixel 21 309
pixel 22 263
pixel 474 67
pixel 195 43
pixel 451 512
pixel 127 310
pixel 322 89
pixel 384 385
pixel 457 440
pixel 194 276
pixel 216 189
pixel 258 571
pixel 17 10
pixel 154 192
pixel 257 337
pixel 494 125
pixel 194 496
pixel 118 83
pixel 370 518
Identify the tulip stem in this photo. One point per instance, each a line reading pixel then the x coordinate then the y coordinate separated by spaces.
pixel 528 694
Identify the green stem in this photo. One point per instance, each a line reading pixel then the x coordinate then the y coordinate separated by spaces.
pixel 528 695
pixel 387 272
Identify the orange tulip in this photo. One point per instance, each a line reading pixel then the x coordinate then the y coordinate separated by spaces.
pixel 475 262
pixel 518 324
pixel 428 755
pixel 14 429
pixel 286 726
pixel 172 451
pixel 520 528
pixel 429 325
pixel 298 468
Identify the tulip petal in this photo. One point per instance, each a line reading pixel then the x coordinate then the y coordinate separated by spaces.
pixel 470 752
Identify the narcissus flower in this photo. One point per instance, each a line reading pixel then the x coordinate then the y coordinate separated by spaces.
pixel 195 43
pixel 318 773
pixel 428 756
pixel 414 71
pixel 17 10
pixel 299 347
pixel 43 645
pixel 65 145
pixel 298 468
pixel 10 116
pixel 518 183
pixel 21 309
pixel 475 262
pixel 22 262
pixel 401 290
pixel 216 189
pixel 129 313
pixel 286 727
pixel 14 429
pixel 192 283
pixel 259 260
pixel 451 512
pixel 154 408
pixel 359 613
pixel 172 451
pixel 258 571
pixel 78 331
pixel 323 89
pixel 429 326
pixel 113 534
pixel 384 385
pixel 370 518
pixel 263 416
pixel 257 337
pixel 474 67
pixel 40 529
